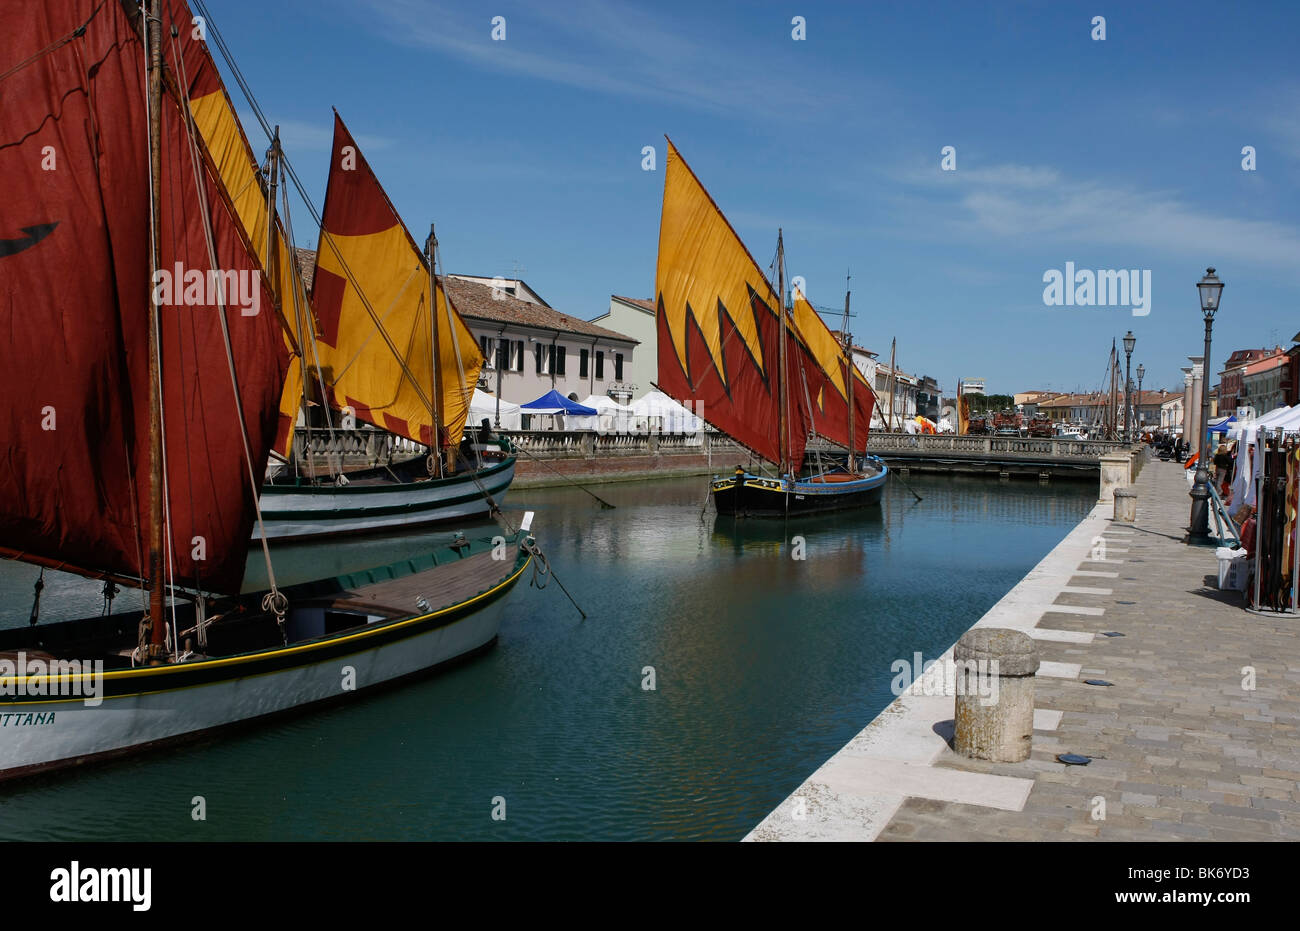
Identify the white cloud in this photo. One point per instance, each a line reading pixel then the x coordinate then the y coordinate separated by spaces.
pixel 1028 204
pixel 616 49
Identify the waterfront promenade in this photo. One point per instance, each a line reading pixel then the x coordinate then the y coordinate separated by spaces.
pixel 1181 750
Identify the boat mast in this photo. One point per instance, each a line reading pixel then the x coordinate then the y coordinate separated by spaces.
pixel 893 381
pixel 1111 419
pixel 157 624
pixel 848 367
pixel 273 168
pixel 435 408
pixel 784 426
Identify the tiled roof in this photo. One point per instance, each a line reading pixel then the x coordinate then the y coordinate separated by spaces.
pixel 643 304
pixel 1141 399
pixel 478 301
pixel 307 265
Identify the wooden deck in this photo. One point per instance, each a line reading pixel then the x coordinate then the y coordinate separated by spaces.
pixel 448 584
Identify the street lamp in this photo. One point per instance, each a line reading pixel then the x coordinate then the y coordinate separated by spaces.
pixel 1210 288
pixel 1129 342
pixel 1137 416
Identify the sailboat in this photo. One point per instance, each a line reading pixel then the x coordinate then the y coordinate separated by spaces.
pixel 766 372
pixel 365 346
pixel 391 356
pixel 141 396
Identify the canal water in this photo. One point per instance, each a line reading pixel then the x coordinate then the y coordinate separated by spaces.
pixel 763 666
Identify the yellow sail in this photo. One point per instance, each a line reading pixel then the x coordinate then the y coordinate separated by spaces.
pixel 703 266
pixel 371 296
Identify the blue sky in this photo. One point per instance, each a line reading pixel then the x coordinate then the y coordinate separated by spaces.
pixel 1115 154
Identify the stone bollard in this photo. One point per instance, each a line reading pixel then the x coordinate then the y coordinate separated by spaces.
pixel 1116 472
pixel 1126 505
pixel 995 694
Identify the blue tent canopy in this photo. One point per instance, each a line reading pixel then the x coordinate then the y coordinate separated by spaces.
pixel 555 403
pixel 1222 425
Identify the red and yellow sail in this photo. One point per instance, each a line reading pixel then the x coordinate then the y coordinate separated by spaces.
pixel 826 370
pixel 75 295
pixel 718 325
pixel 239 169
pixel 371 295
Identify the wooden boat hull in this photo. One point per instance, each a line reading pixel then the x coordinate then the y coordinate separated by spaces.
pixel 748 495
pixel 303 512
pixel 146 707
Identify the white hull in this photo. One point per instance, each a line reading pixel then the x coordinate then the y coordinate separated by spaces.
pixel 299 513
pixel 70 730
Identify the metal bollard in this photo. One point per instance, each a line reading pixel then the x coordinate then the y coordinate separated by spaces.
pixel 995 671
pixel 1126 505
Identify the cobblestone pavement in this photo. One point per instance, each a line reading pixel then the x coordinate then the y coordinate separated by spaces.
pixel 1181 750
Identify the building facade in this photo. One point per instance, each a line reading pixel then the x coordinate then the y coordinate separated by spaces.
pixel 1234 368
pixel 635 318
pixel 530 348
pixel 1265 383
pixel 1171 413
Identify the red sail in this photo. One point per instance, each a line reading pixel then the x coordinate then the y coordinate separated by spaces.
pixel 717 324
pixel 74 299
pixel 823 370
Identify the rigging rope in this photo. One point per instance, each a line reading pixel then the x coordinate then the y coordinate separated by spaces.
pixel 56 44
pixel 274 600
pixel 311 209
pixel 300 290
pixel 109 592
pixel 36 601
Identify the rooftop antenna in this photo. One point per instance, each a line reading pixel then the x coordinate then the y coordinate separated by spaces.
pixel 517 270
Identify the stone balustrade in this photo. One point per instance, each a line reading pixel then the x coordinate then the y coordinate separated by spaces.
pixel 880 442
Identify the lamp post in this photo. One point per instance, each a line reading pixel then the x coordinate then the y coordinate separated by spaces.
pixel 1137 415
pixel 1129 342
pixel 1210 288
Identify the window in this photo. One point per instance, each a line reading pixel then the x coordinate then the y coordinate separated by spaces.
pixel 518 360
pixel 543 359
pixel 487 344
pixel 618 366
pixel 559 360
pixel 600 364
pixel 503 354
pixel 583 357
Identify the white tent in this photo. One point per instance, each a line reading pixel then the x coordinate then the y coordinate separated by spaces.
pixel 484 405
pixel 613 417
pixel 665 415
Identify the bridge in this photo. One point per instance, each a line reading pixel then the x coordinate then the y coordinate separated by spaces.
pixel 1002 455
pixel 628 455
